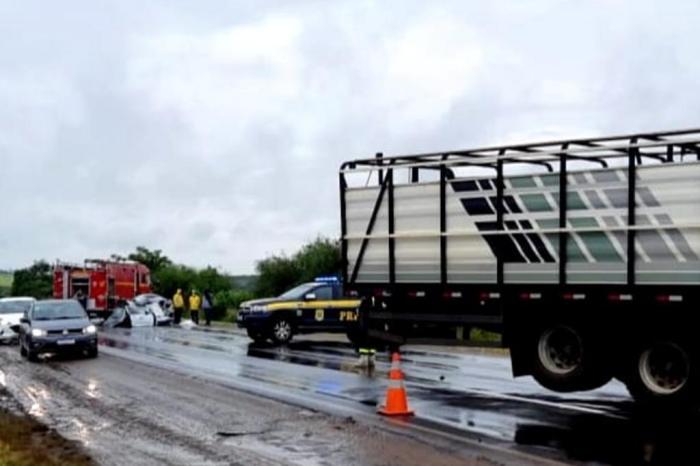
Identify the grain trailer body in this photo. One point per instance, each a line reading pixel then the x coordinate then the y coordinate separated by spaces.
pixel 583 254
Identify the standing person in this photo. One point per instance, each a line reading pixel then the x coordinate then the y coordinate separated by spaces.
pixel 207 306
pixel 178 306
pixel 195 305
pixel 81 298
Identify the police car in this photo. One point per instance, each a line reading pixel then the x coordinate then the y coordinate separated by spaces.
pixel 317 306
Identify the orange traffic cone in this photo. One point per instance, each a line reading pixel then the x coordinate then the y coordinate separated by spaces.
pixel 396 399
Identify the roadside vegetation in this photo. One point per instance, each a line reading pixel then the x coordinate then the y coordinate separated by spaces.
pixel 275 274
pixel 478 335
pixel 5 283
pixel 36 280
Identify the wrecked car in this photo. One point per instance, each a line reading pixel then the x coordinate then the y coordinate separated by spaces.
pixel 11 311
pixel 159 306
pixel 130 315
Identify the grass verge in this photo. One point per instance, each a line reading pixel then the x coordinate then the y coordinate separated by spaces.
pixel 26 442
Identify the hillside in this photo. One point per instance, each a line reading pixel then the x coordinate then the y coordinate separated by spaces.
pixel 246 282
pixel 5 282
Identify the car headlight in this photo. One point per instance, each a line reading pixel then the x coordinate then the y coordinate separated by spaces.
pixel 258 308
pixel 38 332
pixel 90 330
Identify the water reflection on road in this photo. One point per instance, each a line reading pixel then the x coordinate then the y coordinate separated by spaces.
pixel 473 393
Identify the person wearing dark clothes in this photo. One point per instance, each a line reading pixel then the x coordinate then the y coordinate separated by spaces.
pixel 81 298
pixel 207 306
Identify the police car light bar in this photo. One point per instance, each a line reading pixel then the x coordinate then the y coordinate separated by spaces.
pixel 327 279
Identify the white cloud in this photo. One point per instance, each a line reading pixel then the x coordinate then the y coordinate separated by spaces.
pixel 215 131
pixel 428 66
pixel 220 84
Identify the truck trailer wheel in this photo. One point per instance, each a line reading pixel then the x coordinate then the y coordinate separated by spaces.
pixel 282 331
pixel 662 374
pixel 565 362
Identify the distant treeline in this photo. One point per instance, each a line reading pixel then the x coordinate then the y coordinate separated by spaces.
pixel 5 282
pixel 275 274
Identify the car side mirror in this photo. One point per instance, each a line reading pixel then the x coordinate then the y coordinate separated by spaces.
pixel 23 320
pixel 310 297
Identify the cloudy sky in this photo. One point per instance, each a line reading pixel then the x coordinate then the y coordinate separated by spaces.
pixel 214 129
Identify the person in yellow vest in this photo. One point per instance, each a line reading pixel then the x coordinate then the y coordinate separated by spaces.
pixel 195 306
pixel 178 306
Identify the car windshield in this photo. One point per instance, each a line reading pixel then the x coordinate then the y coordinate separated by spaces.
pixel 55 310
pixel 19 306
pixel 299 291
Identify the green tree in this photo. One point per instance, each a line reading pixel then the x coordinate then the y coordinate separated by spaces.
pixel 275 275
pixel 153 259
pixel 279 273
pixel 35 281
pixel 168 279
pixel 231 299
pixel 211 279
pixel 320 257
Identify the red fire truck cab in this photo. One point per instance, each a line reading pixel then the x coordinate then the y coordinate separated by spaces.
pixel 103 283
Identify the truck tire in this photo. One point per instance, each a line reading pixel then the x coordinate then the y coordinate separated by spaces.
pixel 282 331
pixel 565 361
pixel 662 373
pixel 257 336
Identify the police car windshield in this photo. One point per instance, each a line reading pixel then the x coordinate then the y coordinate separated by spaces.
pixel 54 310
pixel 299 291
pixel 15 306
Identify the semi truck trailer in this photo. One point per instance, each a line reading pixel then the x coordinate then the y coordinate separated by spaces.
pixel 582 254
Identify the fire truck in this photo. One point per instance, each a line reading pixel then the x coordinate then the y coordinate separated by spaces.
pixel 103 283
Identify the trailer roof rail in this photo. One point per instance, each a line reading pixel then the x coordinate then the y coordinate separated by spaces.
pixel 659 145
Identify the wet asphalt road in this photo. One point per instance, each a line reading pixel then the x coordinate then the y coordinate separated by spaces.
pixel 126 413
pixel 467 393
pixel 469 410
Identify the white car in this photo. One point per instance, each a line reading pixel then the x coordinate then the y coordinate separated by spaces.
pixel 130 315
pixel 11 311
pixel 159 306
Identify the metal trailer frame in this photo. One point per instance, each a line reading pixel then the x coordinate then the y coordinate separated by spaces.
pixel 555 156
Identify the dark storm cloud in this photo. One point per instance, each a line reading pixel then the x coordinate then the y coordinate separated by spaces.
pixel 214 130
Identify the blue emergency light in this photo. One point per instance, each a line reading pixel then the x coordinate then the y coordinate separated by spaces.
pixel 327 279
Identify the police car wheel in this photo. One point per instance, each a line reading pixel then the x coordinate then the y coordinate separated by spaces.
pixel 282 331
